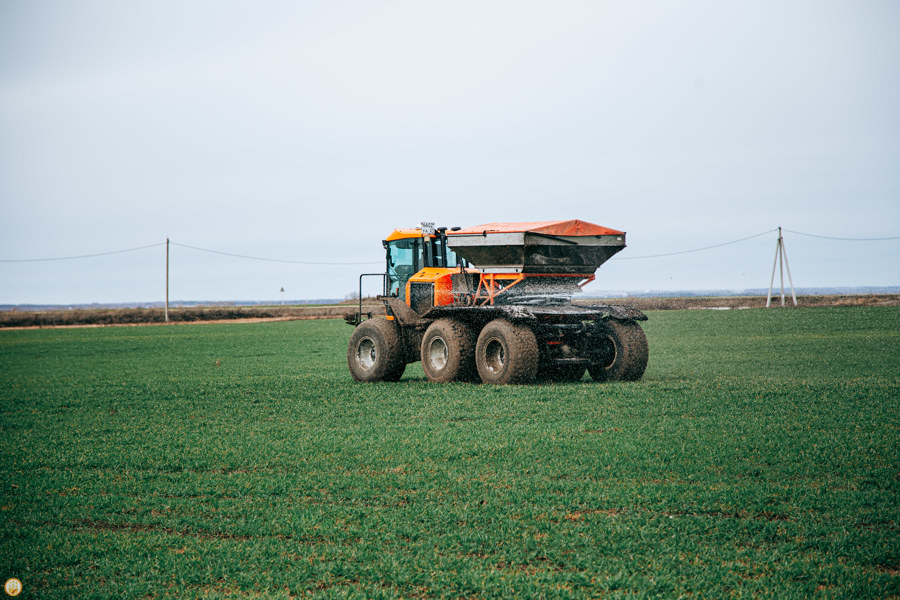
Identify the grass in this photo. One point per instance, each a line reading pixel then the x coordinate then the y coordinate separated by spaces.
pixel 758 457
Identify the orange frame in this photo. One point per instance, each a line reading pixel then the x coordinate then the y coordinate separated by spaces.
pixel 493 288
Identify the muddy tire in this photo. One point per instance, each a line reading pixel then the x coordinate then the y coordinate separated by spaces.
pixel 621 354
pixel 561 373
pixel 448 352
pixel 375 352
pixel 395 373
pixel 506 353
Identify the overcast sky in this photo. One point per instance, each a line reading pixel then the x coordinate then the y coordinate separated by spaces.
pixel 307 131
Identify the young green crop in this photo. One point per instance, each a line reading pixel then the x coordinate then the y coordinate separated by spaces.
pixel 758 456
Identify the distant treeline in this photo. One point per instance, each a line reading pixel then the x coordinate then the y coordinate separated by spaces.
pixel 800 291
pixel 172 306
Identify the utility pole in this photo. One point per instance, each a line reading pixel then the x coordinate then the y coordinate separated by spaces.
pixel 781 261
pixel 167 280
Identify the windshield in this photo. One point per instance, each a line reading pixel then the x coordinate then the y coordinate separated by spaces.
pixel 408 256
pixel 404 260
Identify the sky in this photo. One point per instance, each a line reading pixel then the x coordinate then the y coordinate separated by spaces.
pixel 305 132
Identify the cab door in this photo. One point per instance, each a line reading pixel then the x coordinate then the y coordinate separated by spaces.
pixel 404 259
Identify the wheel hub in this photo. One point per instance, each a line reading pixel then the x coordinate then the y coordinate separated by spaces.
pixel 438 354
pixel 495 355
pixel 606 352
pixel 365 353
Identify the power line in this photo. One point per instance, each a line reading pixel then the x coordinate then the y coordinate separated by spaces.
pixel 843 239
pixel 22 260
pixel 699 249
pixel 278 260
pixel 308 262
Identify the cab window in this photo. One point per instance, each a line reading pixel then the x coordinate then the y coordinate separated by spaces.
pixel 439 255
pixel 443 255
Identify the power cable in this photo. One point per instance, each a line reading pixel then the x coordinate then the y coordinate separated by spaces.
pixel 278 260
pixel 22 260
pixel 306 262
pixel 843 239
pixel 698 249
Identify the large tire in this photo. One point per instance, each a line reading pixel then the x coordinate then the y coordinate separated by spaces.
pixel 375 352
pixel 621 354
pixel 506 353
pixel 395 373
pixel 448 352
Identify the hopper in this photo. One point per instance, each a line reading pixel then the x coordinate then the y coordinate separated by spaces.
pixel 547 247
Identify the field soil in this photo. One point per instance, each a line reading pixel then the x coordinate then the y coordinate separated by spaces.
pixel 17 319
pixel 738 302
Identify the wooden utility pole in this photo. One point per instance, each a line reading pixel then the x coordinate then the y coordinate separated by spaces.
pixel 781 261
pixel 167 280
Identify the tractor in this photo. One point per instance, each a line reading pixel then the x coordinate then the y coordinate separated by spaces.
pixel 493 303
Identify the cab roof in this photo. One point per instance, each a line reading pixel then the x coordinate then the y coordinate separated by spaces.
pixel 403 234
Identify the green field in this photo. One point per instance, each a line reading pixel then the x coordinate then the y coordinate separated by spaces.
pixel 758 457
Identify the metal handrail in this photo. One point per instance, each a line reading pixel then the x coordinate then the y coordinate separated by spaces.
pixel 385 288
